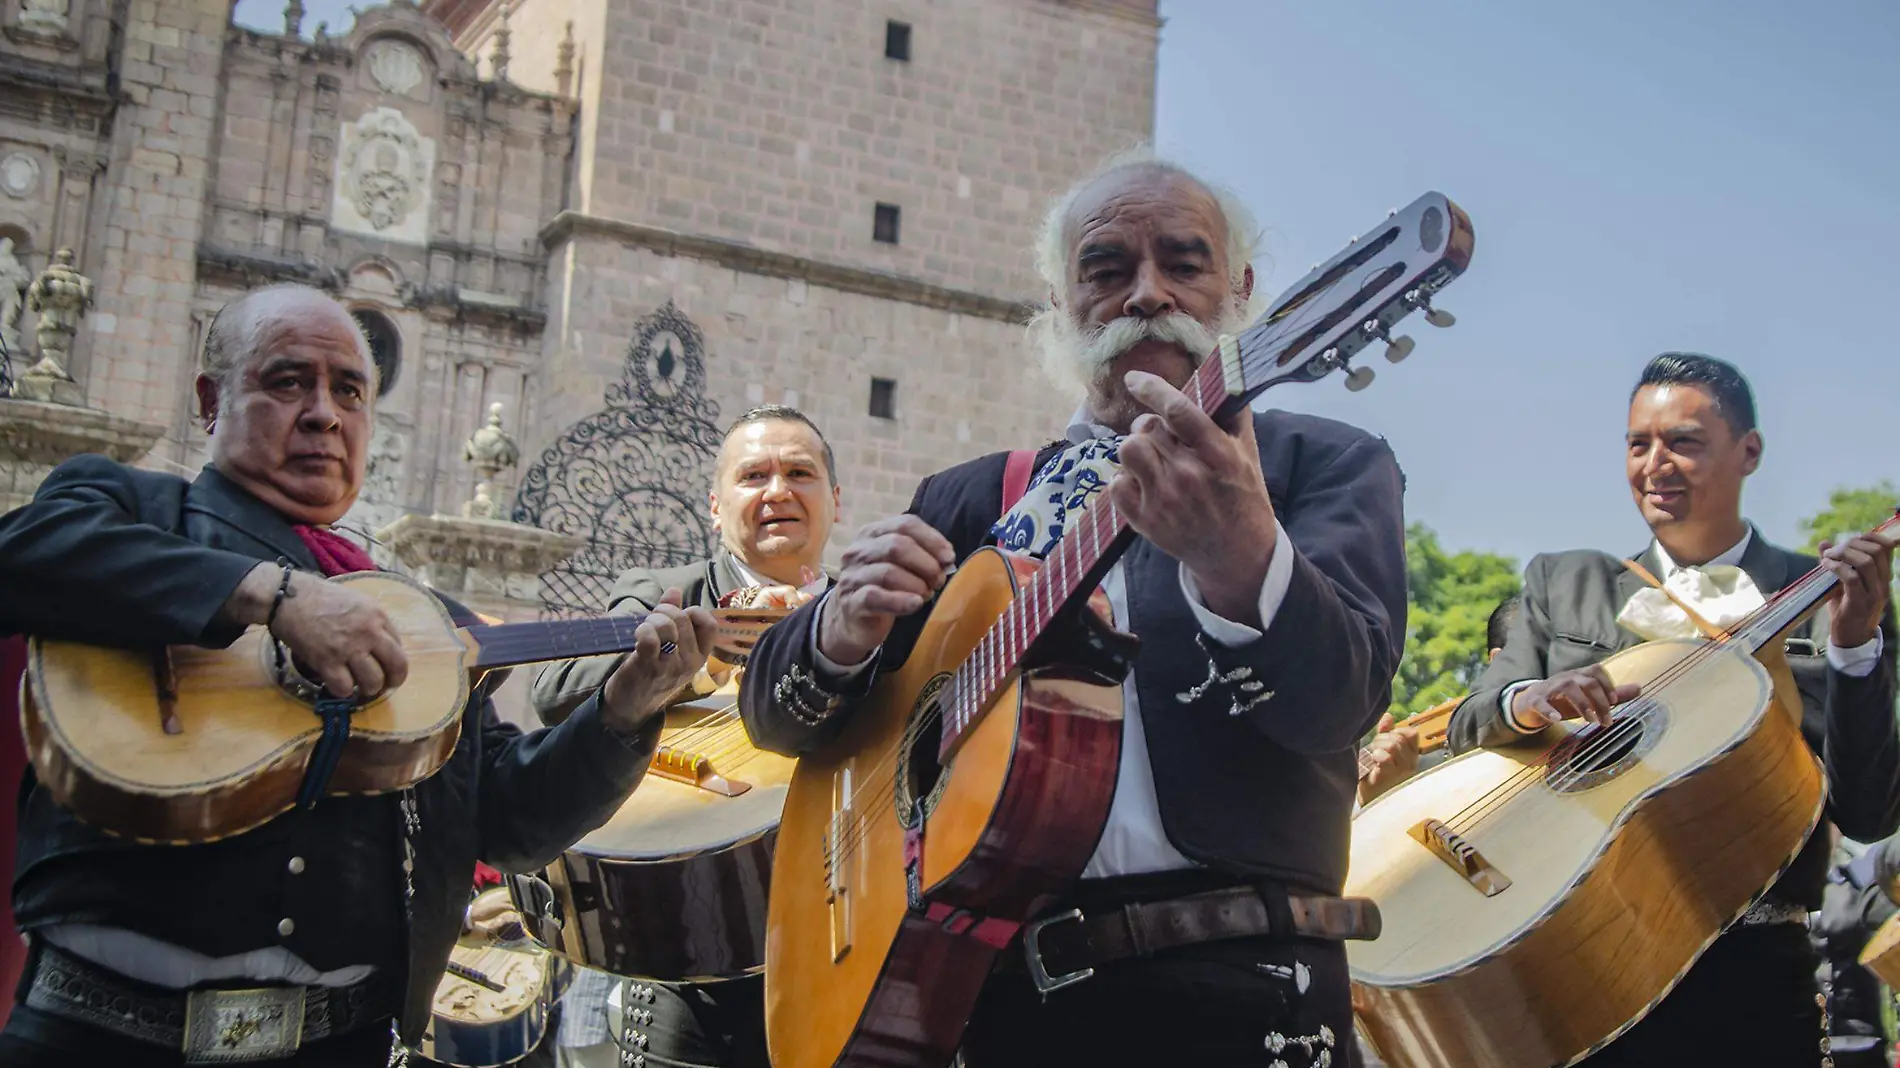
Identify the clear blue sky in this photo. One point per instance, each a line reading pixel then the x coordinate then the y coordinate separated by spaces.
pixel 1714 175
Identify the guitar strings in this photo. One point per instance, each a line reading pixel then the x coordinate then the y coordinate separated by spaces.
pixel 1591 741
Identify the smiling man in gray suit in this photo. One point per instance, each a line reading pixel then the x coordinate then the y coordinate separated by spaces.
pixel 1691 443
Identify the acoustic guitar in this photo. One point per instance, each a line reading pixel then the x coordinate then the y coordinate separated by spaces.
pixel 1539 900
pixel 972 783
pixel 185 744
pixel 491 1007
pixel 674 886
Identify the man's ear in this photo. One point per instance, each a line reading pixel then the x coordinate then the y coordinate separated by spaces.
pixel 1752 446
pixel 1246 283
pixel 206 388
pixel 712 507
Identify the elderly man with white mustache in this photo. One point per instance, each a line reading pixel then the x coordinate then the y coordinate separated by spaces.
pixel 1268 589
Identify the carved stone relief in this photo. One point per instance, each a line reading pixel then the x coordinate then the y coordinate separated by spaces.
pixel 19 175
pixel 382 178
pixel 395 66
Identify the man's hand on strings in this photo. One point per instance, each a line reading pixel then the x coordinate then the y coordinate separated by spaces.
pixel 1863 563
pixel 1587 693
pixel 670 647
pixel 340 635
pixel 1194 489
pixel 891 569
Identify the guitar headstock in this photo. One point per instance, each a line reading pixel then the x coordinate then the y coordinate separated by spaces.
pixel 1352 300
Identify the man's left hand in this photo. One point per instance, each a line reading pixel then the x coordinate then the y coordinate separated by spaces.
pixel 1393 755
pixel 1194 489
pixel 1864 566
pixel 670 646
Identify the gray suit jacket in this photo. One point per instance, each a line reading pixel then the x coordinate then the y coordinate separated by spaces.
pixel 561 686
pixel 1569 621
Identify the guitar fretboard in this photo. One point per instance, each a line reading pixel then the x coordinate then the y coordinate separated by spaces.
pixel 508 644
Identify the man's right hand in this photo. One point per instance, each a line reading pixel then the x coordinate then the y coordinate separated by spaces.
pixel 891 569
pixel 341 635
pixel 1586 693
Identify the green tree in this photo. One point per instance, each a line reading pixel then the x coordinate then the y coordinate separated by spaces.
pixel 1450 598
pixel 1850 509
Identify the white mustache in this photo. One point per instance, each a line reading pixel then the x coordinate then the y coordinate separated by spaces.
pixel 1097 348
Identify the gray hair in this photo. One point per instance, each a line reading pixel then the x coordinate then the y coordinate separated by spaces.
pixel 237 331
pixel 1050 331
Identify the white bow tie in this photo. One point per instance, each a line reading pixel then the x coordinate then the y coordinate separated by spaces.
pixel 1722 594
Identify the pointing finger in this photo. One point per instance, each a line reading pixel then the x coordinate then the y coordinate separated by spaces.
pixel 1183 417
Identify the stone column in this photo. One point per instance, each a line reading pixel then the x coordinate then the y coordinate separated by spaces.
pixel 490 565
pixel 36 437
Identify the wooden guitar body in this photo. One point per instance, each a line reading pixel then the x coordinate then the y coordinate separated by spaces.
pixel 854 974
pixel 1881 955
pixel 474 1026
pixel 1618 873
pixel 227 750
pixel 674 887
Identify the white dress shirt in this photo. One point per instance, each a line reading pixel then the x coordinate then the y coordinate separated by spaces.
pixel 1857 661
pixel 1133 840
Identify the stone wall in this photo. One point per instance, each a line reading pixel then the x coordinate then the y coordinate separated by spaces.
pixel 965 384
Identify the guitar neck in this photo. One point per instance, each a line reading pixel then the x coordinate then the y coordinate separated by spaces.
pixel 1793 603
pixel 1078 563
pixel 502 645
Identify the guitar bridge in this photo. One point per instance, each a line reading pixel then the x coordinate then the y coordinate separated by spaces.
pixel 694 769
pixel 1450 846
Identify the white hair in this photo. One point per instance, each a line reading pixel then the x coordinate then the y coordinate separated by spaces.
pixel 1053 332
pixel 237 331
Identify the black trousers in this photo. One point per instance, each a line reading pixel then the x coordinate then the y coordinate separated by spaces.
pixel 1242 1001
pixel 1750 1000
pixel 34 1039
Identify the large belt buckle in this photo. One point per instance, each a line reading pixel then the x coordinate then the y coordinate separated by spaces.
pixel 222 1026
pixel 1047 984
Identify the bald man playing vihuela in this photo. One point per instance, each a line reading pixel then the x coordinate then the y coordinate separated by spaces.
pixel 305 937
pixel 1268 589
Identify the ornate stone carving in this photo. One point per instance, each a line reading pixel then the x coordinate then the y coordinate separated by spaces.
pixel 382 184
pixel 19 175
pixel 62 296
pixel 395 66
pixel 564 62
pixel 45 16
pixel 35 438
pixel 489 451
pixel 14 278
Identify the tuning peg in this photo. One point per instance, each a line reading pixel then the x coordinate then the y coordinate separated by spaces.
pixel 1359 378
pixel 1390 212
pixel 1399 348
pixel 1439 317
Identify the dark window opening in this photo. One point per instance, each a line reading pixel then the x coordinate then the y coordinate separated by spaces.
pixel 385 346
pixel 885 222
pixel 897 40
pixel 883 398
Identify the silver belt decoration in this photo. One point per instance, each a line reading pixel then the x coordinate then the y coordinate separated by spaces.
pixel 632 1041
pixel 1316 1048
pixel 223 1026
pixel 1766 913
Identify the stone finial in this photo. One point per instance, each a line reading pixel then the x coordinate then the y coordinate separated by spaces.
pixel 564 61
pixel 293 18
pixel 489 451
pixel 62 297
pixel 502 36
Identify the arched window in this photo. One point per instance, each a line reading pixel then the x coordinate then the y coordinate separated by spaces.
pixel 385 346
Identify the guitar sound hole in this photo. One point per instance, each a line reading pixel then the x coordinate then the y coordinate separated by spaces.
pixel 1594 756
pixel 919 775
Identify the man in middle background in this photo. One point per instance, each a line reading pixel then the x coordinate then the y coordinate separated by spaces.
pixel 774 500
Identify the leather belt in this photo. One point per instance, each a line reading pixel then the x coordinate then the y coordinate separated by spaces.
pixel 1067 947
pixel 208 1026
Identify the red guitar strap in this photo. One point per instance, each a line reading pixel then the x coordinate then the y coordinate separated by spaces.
pixel 1016 474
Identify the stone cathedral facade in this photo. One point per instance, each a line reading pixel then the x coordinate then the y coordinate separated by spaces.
pixel 625 220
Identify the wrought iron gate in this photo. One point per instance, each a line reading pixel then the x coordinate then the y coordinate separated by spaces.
pixel 632 478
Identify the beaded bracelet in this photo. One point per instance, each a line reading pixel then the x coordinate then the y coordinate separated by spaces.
pixel 277 602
